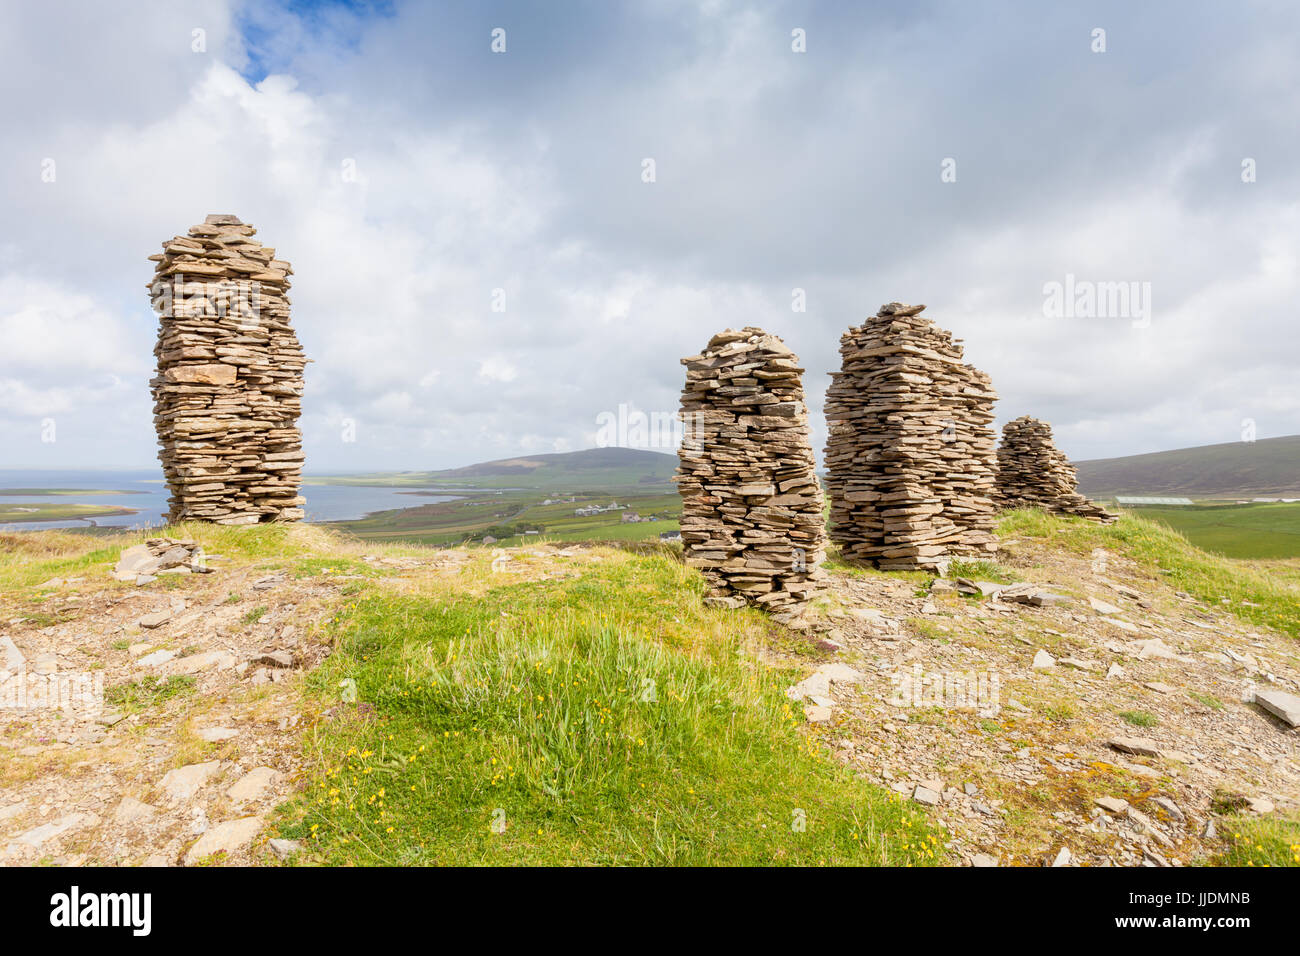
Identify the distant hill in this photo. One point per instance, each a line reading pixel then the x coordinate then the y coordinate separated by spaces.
pixel 1263 468
pixel 590 469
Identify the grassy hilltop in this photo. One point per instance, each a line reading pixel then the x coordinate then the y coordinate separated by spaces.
pixel 579 704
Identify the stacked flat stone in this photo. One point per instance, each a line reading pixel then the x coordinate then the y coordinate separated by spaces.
pixel 1033 473
pixel 752 507
pixel 910 455
pixel 228 391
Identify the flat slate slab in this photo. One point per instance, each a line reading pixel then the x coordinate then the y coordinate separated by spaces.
pixel 1280 704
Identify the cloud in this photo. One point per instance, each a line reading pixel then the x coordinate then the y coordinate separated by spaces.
pixel 496 369
pixel 480 269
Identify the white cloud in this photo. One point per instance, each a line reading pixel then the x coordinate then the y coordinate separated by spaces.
pixel 496 369
pixel 777 170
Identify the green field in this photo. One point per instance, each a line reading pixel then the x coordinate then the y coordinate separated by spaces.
pixel 1235 531
pixel 626 469
pixel 506 516
pixel 58 512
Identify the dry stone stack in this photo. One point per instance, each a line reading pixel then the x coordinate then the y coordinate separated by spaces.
pixel 1033 473
pixel 910 456
pixel 752 507
pixel 228 391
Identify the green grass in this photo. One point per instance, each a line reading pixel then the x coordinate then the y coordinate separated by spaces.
pixel 1209 700
pixel 981 571
pixel 1272 840
pixel 609 719
pixel 253 615
pixel 1235 531
pixel 1261 593
pixel 1139 718
pixel 834 562
pixel 148 692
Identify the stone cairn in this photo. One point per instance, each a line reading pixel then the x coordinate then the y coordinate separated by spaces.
pixel 1033 473
pixel 227 395
pixel 752 518
pixel 910 459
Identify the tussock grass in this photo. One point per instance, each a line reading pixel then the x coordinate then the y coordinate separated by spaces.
pixel 137 695
pixel 1139 718
pixel 607 719
pixel 982 571
pixel 1273 840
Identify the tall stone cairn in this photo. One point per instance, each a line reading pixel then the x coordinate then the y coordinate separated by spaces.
pixel 228 391
pixel 752 507
pixel 1033 473
pixel 910 455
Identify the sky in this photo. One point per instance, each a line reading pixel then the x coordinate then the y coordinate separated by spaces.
pixel 495 250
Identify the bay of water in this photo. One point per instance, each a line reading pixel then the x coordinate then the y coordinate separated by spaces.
pixel 324 502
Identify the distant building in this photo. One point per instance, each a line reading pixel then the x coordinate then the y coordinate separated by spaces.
pixel 630 517
pixel 670 536
pixel 532 532
pixel 488 539
pixel 1127 500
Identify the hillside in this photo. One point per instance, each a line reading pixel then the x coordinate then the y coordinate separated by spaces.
pixel 1269 466
pixel 319 700
pixel 592 468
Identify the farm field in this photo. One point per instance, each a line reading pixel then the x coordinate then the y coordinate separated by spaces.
pixel 10 511
pixel 507 515
pixel 626 469
pixel 1250 531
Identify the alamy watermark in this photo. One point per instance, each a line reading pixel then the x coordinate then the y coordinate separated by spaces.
pixel 241 299
pixel 73 693
pixel 629 427
pixel 951 690
pixel 1086 299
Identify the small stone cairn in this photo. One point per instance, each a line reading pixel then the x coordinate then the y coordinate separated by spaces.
pixel 227 395
pixel 141 563
pixel 1033 473
pixel 752 507
pixel 910 455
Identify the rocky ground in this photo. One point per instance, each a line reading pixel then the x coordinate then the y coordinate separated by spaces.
pixel 1108 726
pixel 1104 730
pixel 199 737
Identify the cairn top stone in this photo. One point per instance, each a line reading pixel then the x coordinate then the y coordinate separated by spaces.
pixel 223 219
pixel 900 308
